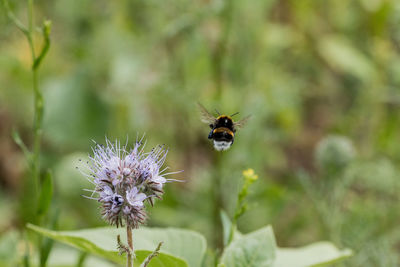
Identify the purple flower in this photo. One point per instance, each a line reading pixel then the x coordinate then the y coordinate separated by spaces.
pixel 124 179
pixel 135 199
pixel 152 177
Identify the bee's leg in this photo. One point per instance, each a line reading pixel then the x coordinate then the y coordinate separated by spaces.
pixel 210 135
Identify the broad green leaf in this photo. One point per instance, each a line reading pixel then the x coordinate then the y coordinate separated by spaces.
pixel 63 256
pixel 46 194
pixel 317 254
pixel 254 249
pixel 151 256
pixel 185 244
pixel 259 249
pixel 187 247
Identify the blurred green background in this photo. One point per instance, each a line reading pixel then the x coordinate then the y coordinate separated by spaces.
pixel 320 78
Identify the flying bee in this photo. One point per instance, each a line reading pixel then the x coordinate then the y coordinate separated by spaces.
pixel 223 128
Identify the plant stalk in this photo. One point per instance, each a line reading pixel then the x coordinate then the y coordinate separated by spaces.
pixel 130 254
pixel 37 118
pixel 217 64
pixel 34 156
pixel 38 106
pixel 218 199
pixel 37 131
pixel 220 51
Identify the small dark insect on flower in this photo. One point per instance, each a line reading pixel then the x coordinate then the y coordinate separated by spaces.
pixel 124 179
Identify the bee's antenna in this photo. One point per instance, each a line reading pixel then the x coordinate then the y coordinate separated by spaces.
pixel 219 114
pixel 234 114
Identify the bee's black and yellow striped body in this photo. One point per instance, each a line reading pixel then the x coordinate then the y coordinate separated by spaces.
pixel 222 133
pixel 223 128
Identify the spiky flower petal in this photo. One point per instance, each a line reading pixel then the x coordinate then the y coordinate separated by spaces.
pixel 124 179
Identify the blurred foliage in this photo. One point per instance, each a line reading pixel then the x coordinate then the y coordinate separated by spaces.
pixel 303 69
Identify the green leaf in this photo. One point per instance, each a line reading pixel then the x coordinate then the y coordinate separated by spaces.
pixel 259 249
pixel 254 249
pixel 21 144
pixel 226 227
pixel 46 37
pixel 81 259
pixel 188 247
pixel 154 254
pixel 45 249
pixel 46 194
pixel 63 256
pixel 317 254
pixel 186 244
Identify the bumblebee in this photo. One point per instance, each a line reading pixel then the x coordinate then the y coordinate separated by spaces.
pixel 223 128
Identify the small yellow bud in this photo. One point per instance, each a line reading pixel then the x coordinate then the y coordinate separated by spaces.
pixel 250 175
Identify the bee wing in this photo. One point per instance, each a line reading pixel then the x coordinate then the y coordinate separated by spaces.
pixel 241 123
pixel 206 116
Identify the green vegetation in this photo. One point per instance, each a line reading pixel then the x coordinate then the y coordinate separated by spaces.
pixel 320 79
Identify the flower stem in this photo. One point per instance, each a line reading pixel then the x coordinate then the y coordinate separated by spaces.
pixel 218 199
pixel 34 156
pixel 131 254
pixel 37 132
pixel 218 56
pixel 38 105
pixel 220 51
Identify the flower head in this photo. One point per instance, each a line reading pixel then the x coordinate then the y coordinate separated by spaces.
pixel 250 175
pixel 124 179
